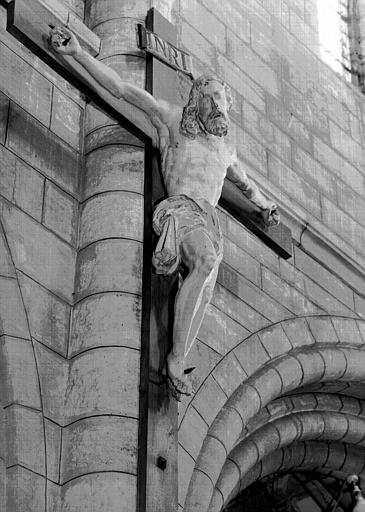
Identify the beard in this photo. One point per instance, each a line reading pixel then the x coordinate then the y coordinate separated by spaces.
pixel 217 124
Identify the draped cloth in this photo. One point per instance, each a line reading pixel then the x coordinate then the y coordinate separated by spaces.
pixel 173 219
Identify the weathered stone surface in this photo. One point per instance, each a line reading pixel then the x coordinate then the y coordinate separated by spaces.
pixel 26 444
pixel 43 150
pixel 6 265
pixel 102 492
pixel 21 184
pixel 186 465
pixel 60 213
pixel 97 321
pixel 114 168
pixel 19 373
pixel 219 331
pixel 25 490
pixel 209 400
pixel 39 253
pixel 290 372
pixel 26 85
pixel 212 458
pixel 99 444
pixel 347 331
pixel 275 341
pixel 96 13
pixel 13 320
pixel 229 374
pixel 103 381
pixel 242 262
pixel 48 317
pixel 53 434
pixel 205 22
pixel 118 37
pixel 111 265
pixel 66 119
pixel 298 332
pixel 227 427
pixel 251 354
pixel 322 330
pixel 117 214
pixel 4 110
pixel 193 430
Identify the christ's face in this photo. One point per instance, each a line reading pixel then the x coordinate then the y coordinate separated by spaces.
pixel 213 108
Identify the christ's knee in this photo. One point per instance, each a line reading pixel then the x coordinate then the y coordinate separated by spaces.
pixel 205 264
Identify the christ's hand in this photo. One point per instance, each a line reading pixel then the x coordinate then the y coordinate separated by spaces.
pixel 64 42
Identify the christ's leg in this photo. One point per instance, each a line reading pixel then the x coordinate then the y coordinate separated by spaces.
pixel 200 257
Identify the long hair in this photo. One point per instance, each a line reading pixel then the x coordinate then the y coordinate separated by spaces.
pixel 189 125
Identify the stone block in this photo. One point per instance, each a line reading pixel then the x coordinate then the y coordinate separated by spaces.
pixel 66 119
pixel 220 332
pixel 98 444
pixel 53 434
pixel 209 400
pixel 298 332
pixel 117 214
pixel 114 168
pixel 110 266
pixel 201 492
pixel 227 427
pixel 212 458
pixel 4 111
pixel 103 381
pixel 351 202
pixel 118 37
pixel 286 294
pixel 289 123
pixel 21 184
pixel 322 330
pixel 290 372
pixel 25 490
pixel 295 186
pixel 39 253
pixel 26 443
pixel 359 305
pixel 229 374
pixel 249 149
pixel 275 341
pixel 111 134
pixel 43 150
pixel 314 172
pixel 102 492
pixel 338 165
pixel 96 14
pixel 335 364
pixel 251 354
pixel 106 319
pixel 347 331
pixel 347 146
pixel 60 213
pixel 335 426
pixel 323 277
pixel 256 298
pixel 186 466
pixel 25 85
pixel 274 139
pixel 13 321
pixel 242 262
pixel 199 46
pixel 354 369
pixel 267 440
pixel 192 432
pixel 242 237
pixel 324 300
pixel 53 373
pixel 18 369
pixel 237 309
pixel 247 403
pixel 205 22
pixel 204 359
pixel 245 456
pixel 6 265
pixel 312 364
pixel 239 81
pixel 48 317
pixel 268 385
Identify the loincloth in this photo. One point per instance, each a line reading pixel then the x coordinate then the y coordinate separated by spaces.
pixel 176 217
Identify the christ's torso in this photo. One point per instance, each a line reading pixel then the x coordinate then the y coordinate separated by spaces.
pixel 196 167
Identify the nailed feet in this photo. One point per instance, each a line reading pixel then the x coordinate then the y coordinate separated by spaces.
pixel 178 378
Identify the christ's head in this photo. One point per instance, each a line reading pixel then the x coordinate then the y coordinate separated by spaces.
pixel 207 108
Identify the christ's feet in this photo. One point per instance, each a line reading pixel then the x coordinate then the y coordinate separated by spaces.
pixel 178 379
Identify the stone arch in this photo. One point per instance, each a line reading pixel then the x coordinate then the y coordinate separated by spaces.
pixel 23 459
pixel 276 361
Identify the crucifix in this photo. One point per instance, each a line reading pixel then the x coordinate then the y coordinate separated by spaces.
pixel 189 147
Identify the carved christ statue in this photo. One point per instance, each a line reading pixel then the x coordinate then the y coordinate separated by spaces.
pixel 195 158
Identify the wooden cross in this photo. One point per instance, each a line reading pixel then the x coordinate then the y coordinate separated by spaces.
pixel 30 22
